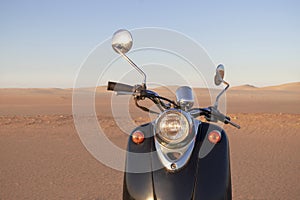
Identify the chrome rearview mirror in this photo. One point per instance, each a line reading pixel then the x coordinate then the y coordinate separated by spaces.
pixel 122 41
pixel 219 78
pixel 220 71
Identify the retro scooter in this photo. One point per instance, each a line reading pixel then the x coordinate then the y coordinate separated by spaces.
pixel 171 147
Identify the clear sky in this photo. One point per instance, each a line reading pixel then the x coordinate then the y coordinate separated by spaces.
pixel 43 43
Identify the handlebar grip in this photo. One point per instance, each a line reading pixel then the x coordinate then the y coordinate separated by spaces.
pixel 119 87
pixel 233 124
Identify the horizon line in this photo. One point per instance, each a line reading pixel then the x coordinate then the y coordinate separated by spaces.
pixel 68 88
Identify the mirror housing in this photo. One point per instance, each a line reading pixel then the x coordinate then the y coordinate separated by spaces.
pixel 219 78
pixel 121 41
pixel 220 72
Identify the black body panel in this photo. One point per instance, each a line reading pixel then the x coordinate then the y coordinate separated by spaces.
pixel 139 185
pixel 213 175
pixel 206 177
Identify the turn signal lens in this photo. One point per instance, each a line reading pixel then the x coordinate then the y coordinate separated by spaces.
pixel 138 137
pixel 214 136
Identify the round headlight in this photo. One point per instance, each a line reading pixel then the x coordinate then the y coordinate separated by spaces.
pixel 173 127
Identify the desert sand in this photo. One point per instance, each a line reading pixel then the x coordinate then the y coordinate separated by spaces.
pixel 42 156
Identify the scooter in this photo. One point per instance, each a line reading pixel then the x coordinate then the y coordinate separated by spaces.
pixel 184 158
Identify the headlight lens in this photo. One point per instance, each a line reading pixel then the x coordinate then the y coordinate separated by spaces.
pixel 173 127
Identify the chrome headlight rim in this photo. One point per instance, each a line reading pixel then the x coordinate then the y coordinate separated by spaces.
pixel 181 141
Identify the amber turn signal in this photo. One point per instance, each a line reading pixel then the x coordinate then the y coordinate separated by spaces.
pixel 138 137
pixel 214 136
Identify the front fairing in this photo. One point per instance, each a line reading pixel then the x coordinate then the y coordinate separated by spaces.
pixel 200 178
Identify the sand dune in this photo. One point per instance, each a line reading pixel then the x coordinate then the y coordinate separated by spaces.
pixel 244 87
pixel 295 86
pixel 288 86
pixel 42 156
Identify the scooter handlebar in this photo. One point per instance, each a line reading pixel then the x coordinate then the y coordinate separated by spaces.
pixel 213 115
pixel 119 87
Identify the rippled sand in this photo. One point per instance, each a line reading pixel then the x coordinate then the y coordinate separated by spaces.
pixel 42 156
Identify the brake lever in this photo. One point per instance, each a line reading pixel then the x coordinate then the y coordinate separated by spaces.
pixel 215 113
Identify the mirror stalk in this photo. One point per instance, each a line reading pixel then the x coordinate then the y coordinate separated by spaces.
pixel 135 67
pixel 221 93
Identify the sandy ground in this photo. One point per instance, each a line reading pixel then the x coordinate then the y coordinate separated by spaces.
pixel 42 157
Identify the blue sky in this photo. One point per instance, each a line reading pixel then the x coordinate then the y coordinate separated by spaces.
pixel 43 43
